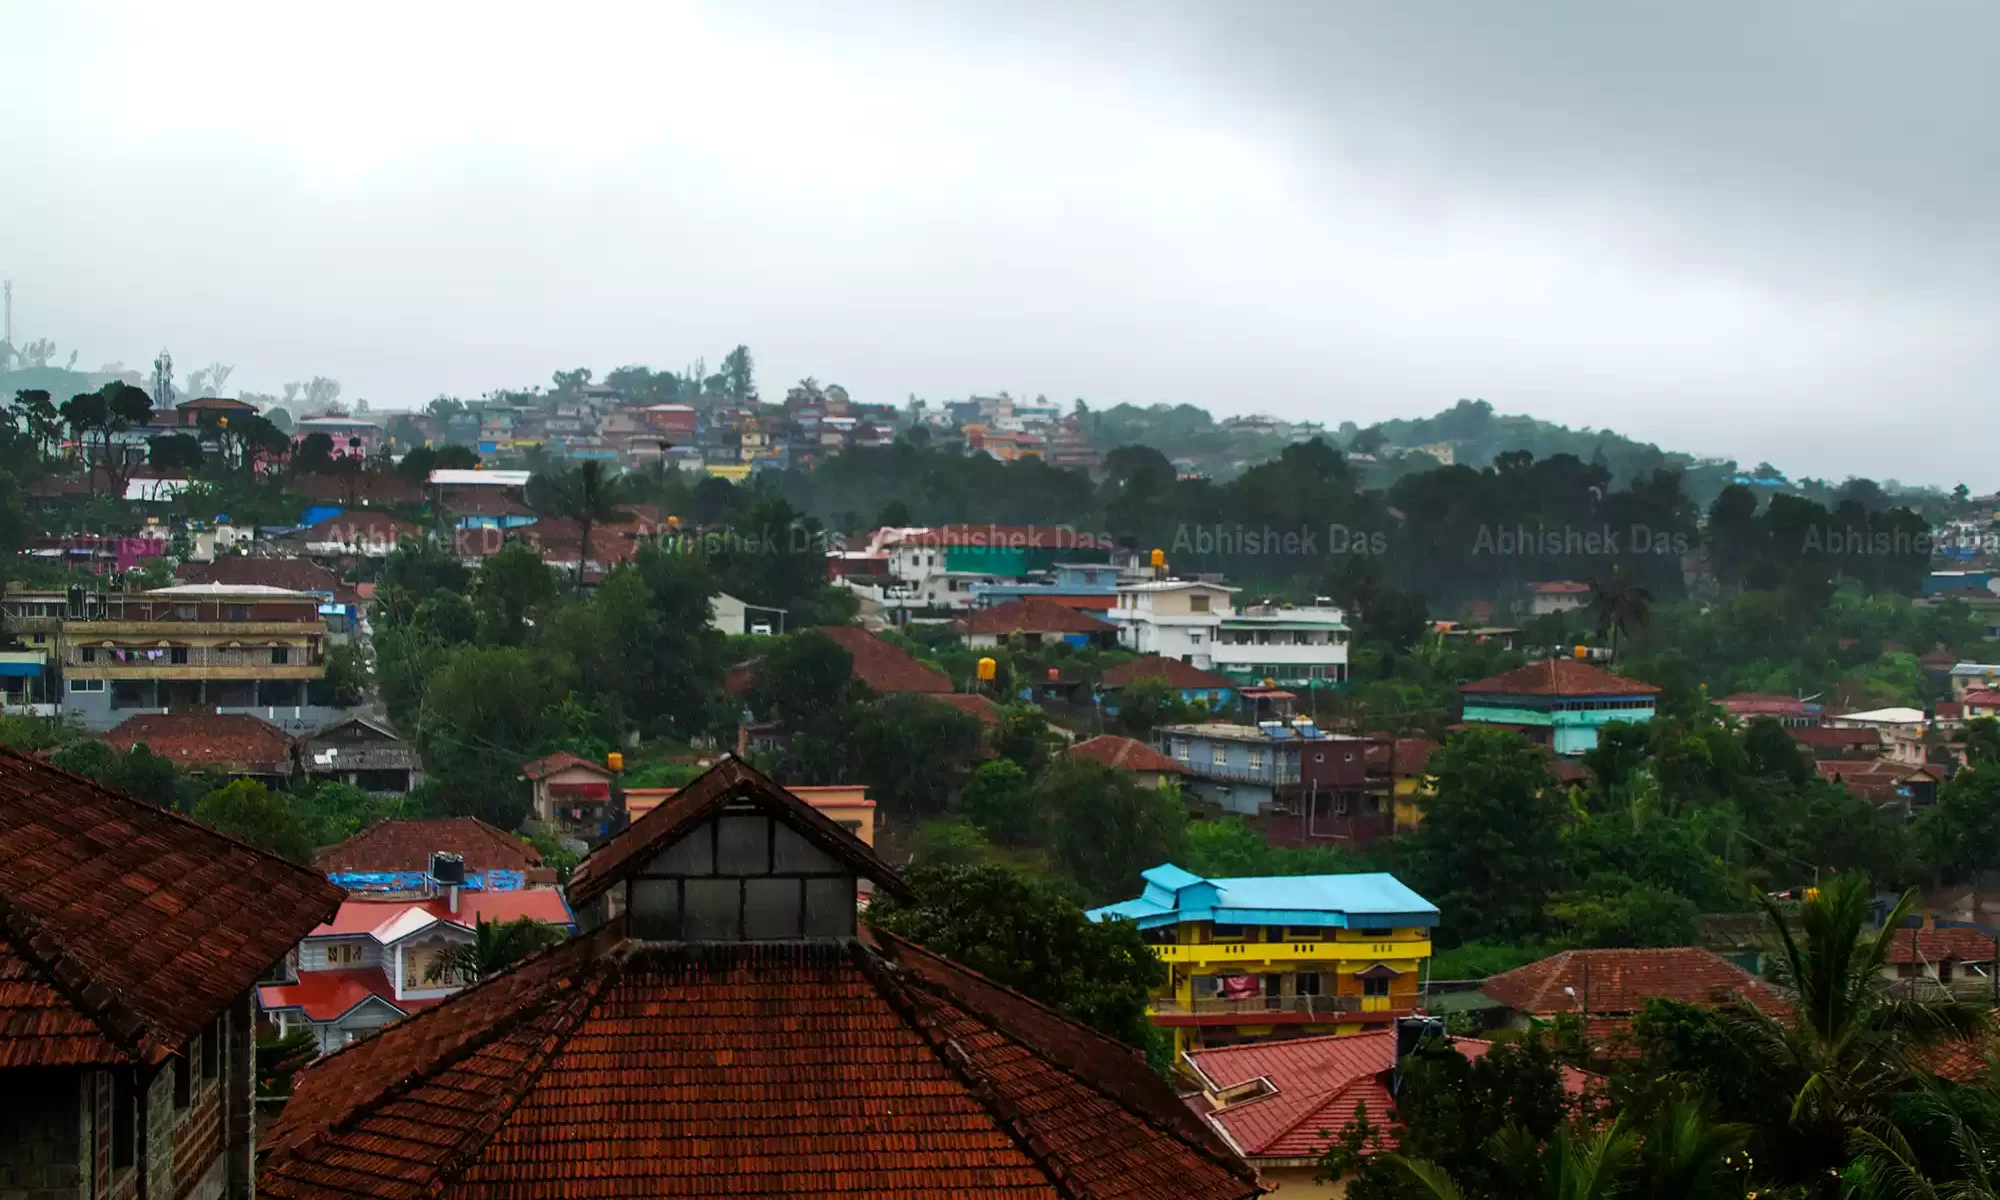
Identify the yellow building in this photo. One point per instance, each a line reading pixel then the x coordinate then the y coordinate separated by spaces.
pixel 1279 957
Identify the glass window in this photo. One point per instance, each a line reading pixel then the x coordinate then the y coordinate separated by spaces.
pixel 656 908
pixel 1197 603
pixel 830 907
pixel 1218 754
pixel 743 844
pixel 177 655
pixel 714 910
pixel 1256 758
pixel 791 852
pixel 86 654
pixel 1374 987
pixel 1232 933
pixel 773 909
pixel 280 655
pixel 692 855
pixel 1308 984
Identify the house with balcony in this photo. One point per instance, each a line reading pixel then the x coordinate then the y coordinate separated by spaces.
pixel 1092 586
pixel 1215 692
pixel 371 965
pixel 1244 769
pixel 1560 703
pixel 572 796
pixel 131 942
pixel 204 647
pixel 361 752
pixel 1266 958
pixel 1283 646
pixel 1173 618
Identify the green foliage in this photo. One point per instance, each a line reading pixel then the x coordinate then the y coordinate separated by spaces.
pixel 1477 960
pixel 947 842
pixel 495 946
pixel 1961 831
pixel 1105 828
pixel 1489 836
pixel 260 816
pixel 1228 848
pixel 1000 800
pixel 803 676
pixel 333 812
pixel 1023 932
pixel 1148 702
pixel 345 684
pixel 137 772
pixel 509 590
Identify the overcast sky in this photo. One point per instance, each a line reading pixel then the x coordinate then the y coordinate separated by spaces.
pixel 1769 230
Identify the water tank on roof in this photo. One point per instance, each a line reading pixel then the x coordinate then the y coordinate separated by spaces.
pixel 447 870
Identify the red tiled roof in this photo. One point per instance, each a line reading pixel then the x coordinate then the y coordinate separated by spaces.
pixel 362 525
pixel 729 781
pixel 883 667
pixel 125 928
pixel 1320 1084
pixel 1126 754
pixel 1934 945
pixel 1958 1061
pixel 864 1068
pixel 371 487
pixel 390 920
pixel 1560 677
pixel 1032 614
pixel 1983 698
pixel 1559 587
pixel 971 705
pixel 1763 703
pixel 562 760
pixel 292 574
pixel 217 402
pixel 1403 757
pixel 235 742
pixel 1621 981
pixel 407 846
pixel 330 995
pixel 1177 674
pixel 1827 737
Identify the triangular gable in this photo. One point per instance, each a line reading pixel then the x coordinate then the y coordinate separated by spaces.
pixel 728 783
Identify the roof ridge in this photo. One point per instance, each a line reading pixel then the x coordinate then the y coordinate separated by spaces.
pixel 541 996
pixel 1036 1048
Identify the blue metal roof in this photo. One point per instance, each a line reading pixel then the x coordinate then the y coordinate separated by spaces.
pixel 1367 901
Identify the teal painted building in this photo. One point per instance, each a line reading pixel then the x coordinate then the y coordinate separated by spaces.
pixel 1560 703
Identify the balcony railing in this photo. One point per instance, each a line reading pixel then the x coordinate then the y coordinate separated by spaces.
pixel 1261 1006
pixel 1249 953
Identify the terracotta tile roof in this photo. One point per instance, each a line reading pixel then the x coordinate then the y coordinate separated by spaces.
pixel 1763 703
pixel 971 705
pixel 388 920
pixel 363 525
pixel 1934 945
pixel 1826 737
pixel 561 760
pixel 1620 982
pixel 1177 674
pixel 863 1068
pixel 292 574
pixel 1126 754
pixel 1559 677
pixel 729 781
pixel 1403 757
pixel 373 487
pixel 235 742
pixel 1317 1087
pixel 1958 1061
pixel 124 928
pixel 1983 698
pixel 1032 614
pixel 407 846
pixel 1559 587
pixel 883 667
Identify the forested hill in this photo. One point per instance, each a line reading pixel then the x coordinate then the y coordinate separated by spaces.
pixel 1471 431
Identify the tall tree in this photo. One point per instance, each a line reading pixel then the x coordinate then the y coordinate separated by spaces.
pixel 590 496
pixel 1618 605
pixel 737 369
pixel 1491 831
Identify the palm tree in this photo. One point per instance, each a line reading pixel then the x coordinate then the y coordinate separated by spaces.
pixel 1619 605
pixel 1848 1044
pixel 1569 1167
pixel 590 497
pixel 1887 1167
pixel 494 947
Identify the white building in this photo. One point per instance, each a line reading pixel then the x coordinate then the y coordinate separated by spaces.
pixel 1291 647
pixel 1557 596
pixel 1173 618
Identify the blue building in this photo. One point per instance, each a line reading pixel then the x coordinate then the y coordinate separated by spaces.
pixel 1265 958
pixel 1242 768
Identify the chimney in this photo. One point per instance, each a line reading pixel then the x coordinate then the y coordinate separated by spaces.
pixel 454 898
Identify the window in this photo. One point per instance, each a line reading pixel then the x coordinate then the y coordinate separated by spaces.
pixel 1308 984
pixel 1198 603
pixel 343 954
pixel 280 655
pixel 1374 987
pixel 1218 754
pixel 124 1119
pixel 211 1049
pixel 239 612
pixel 186 612
pixel 1232 933
pixel 1305 933
pixel 1256 758
pixel 177 656
pixel 86 654
pixel 1340 804
pixel 86 685
pixel 1181 749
